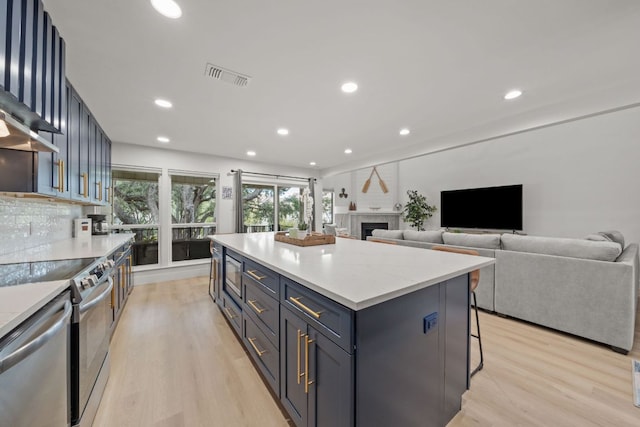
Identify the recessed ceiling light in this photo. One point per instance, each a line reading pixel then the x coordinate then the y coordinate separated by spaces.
pixel 251 153
pixel 513 94
pixel 404 131
pixel 348 151
pixel 168 8
pixel 163 103
pixel 312 163
pixel 349 87
pixel 283 131
pixel 163 139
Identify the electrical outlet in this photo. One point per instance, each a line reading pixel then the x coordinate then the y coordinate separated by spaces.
pixel 430 322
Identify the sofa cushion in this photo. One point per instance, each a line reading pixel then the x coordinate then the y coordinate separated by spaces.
pixel 598 238
pixel 431 236
pixel 387 234
pixel 614 236
pixel 559 246
pixel 489 241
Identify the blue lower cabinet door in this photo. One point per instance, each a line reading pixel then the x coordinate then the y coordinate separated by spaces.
pixel 329 373
pixel 293 332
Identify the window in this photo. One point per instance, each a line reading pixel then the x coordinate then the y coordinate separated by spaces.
pixel 135 209
pixel 327 207
pixel 258 207
pixel 193 215
pixel 289 207
pixel 264 203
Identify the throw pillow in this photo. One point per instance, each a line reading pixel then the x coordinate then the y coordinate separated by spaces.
pixel 597 238
pixel 614 236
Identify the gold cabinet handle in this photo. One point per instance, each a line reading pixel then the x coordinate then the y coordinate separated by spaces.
pixel 255 307
pixel 113 300
pixel 297 302
pixel 85 184
pixel 122 276
pixel 99 184
pixel 260 353
pixel 130 262
pixel 299 335
pixel 60 186
pixel 307 381
pixel 229 313
pixel 254 275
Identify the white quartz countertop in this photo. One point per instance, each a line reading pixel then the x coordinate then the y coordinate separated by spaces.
pixel 18 303
pixel 356 273
pixel 72 248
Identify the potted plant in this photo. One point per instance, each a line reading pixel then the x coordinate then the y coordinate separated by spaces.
pixel 416 211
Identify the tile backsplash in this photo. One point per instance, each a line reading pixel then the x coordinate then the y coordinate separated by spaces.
pixel 26 223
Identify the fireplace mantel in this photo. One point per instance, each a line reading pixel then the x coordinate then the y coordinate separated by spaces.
pixel 356 218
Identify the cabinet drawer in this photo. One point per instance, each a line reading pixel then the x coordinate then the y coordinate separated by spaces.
pixel 263 352
pixel 331 319
pixel 269 279
pixel 264 309
pixel 232 312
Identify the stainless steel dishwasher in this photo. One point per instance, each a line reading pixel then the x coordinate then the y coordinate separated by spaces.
pixel 34 369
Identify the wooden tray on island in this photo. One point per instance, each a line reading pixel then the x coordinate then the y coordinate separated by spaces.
pixel 312 239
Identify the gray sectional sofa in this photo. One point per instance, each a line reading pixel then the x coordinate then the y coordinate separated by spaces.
pixel 586 287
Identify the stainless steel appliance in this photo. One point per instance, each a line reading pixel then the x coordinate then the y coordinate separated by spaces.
pixel 90 334
pixel 34 369
pixel 233 276
pixel 98 224
pixel 87 367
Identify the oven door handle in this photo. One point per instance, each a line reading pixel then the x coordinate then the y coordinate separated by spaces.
pixel 88 306
pixel 32 346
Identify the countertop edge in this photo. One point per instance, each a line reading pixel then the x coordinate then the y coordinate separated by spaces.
pixel 365 303
pixel 55 289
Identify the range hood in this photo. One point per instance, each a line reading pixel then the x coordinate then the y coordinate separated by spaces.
pixel 16 136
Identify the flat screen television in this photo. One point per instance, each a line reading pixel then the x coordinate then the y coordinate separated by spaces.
pixel 492 208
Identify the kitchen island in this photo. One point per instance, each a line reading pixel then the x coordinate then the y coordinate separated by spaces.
pixel 351 333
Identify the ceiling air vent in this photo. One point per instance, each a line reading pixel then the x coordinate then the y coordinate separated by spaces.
pixel 225 75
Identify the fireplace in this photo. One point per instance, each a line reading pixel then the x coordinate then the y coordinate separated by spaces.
pixel 366 228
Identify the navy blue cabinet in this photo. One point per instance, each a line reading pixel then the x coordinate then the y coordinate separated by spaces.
pixel 316 385
pixel 32 71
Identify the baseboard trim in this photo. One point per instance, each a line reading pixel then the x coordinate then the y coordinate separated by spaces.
pixel 164 274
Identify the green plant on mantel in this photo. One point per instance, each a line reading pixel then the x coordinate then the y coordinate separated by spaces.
pixel 417 210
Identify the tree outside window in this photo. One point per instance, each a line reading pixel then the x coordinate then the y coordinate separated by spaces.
pixel 193 216
pixel 136 210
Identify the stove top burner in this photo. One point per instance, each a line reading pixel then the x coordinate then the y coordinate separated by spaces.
pixel 42 271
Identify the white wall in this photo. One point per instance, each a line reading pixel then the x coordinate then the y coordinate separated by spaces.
pixel 353 183
pixel 579 177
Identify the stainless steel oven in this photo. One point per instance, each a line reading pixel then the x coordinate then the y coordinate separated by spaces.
pixel 233 277
pixel 90 335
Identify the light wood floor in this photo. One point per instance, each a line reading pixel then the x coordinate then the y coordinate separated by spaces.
pixel 176 362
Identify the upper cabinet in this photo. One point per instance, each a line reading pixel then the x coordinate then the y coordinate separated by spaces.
pixel 34 89
pixel 32 66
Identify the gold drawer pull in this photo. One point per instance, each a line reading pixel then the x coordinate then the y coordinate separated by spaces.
pixel 254 275
pixel 260 353
pixel 307 381
pixel 255 307
pixel 299 335
pixel 297 302
pixel 85 184
pixel 229 313
pixel 60 186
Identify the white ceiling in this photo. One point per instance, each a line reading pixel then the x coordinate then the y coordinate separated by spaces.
pixel 437 67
